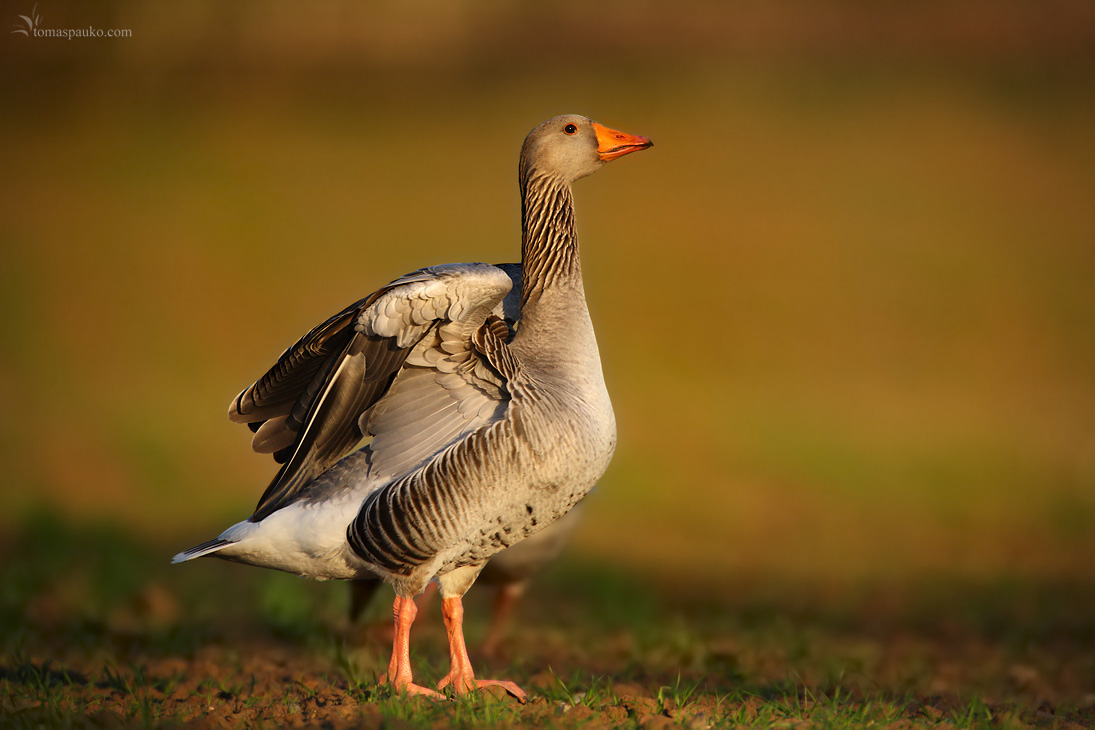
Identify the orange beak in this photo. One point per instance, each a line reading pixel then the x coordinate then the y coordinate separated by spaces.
pixel 612 144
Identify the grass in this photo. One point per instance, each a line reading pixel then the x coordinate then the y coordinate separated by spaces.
pixel 595 647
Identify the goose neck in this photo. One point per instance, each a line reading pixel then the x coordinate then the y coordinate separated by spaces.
pixel 549 240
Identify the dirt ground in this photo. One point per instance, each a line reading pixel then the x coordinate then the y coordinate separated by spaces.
pixel 229 647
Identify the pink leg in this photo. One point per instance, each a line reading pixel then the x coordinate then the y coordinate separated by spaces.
pixel 399 668
pixel 361 595
pixel 504 602
pixel 425 599
pixel 460 675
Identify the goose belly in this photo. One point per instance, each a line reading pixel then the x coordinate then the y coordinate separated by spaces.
pixel 493 489
pixel 557 469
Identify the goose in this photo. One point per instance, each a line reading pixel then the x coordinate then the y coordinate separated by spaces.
pixel 476 439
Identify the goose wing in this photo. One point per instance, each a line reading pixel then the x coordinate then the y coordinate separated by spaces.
pixel 411 344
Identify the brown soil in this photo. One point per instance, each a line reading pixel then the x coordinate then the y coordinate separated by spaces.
pixel 746 662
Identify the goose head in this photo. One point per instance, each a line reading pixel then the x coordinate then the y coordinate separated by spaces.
pixel 571 146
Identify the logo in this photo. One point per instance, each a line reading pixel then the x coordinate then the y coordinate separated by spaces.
pixel 34 29
pixel 33 21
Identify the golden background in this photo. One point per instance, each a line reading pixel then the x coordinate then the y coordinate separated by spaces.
pixel 846 304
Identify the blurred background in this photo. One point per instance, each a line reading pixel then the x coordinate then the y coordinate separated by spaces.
pixel 846 304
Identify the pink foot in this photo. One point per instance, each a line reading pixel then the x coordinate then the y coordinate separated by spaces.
pixel 413 689
pixel 399 668
pixel 470 685
pixel 460 676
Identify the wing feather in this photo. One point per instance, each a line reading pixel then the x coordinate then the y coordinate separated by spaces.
pixel 401 365
pixel 279 388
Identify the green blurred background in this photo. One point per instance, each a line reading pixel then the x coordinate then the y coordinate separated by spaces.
pixel 846 304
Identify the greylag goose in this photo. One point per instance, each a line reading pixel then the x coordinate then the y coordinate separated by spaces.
pixel 476 440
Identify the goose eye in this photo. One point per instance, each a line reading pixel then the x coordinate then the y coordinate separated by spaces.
pixel 570 129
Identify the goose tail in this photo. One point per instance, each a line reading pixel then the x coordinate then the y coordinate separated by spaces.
pixel 206 548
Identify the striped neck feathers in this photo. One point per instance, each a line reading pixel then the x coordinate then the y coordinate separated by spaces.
pixel 549 240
